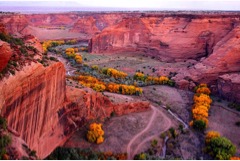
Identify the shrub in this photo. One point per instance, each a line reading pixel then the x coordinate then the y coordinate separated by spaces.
pixel 210 135
pixel 199 125
pixel 221 148
pixel 3 123
pixel 5 140
pixel 237 123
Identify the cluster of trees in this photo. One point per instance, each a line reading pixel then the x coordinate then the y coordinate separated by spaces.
pixel 200 108
pixel 51 43
pixel 63 153
pixel 111 72
pixel 71 53
pixel 153 80
pixel 95 133
pixel 71 42
pixel 100 86
pixel 219 147
pixel 92 82
pixel 124 89
pixel 114 73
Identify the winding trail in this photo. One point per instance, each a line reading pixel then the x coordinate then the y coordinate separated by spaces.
pixel 156 111
pixel 149 138
pixel 139 134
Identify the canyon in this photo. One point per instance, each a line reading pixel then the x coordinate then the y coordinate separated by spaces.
pixel 45 111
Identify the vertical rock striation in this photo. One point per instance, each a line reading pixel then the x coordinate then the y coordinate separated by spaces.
pixel 30 101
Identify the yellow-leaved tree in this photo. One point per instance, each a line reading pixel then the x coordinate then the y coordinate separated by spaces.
pixel 95 133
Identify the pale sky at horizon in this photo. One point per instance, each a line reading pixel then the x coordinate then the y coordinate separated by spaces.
pixel 127 4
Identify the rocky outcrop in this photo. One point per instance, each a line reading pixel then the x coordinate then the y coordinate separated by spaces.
pixel 31 40
pixel 86 26
pixel 5 54
pixel 229 87
pixel 169 38
pixel 224 59
pixel 94 105
pixel 51 20
pixel 14 24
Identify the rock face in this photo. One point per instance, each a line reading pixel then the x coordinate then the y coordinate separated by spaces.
pixel 95 23
pixel 87 26
pixel 31 40
pixel 5 54
pixel 30 101
pixel 170 38
pixel 229 86
pixel 14 24
pixel 224 59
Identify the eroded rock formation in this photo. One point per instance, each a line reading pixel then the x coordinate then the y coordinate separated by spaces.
pixel 170 38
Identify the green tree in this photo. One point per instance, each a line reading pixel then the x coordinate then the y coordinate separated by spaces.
pixel 199 125
pixel 221 148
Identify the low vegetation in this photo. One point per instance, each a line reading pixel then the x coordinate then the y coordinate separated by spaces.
pixel 83 154
pixel 5 139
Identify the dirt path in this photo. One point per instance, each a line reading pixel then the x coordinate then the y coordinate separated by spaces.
pixel 132 152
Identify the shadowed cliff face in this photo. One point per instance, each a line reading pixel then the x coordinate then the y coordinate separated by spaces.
pixel 5 54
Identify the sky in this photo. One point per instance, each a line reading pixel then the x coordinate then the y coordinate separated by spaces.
pixel 112 5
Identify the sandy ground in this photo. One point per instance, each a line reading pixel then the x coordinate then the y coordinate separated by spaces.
pixel 130 62
pixel 223 121
pixel 132 133
pixel 179 101
pixel 53 34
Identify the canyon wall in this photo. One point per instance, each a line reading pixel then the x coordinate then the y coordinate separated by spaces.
pixel 30 101
pixel 169 38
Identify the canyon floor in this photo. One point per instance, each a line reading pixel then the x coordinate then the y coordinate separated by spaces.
pixel 133 133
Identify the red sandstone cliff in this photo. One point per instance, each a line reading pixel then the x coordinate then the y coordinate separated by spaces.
pixel 5 54
pixel 30 101
pixel 170 38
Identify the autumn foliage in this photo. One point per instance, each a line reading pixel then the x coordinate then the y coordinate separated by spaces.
pixel 235 158
pixel 99 86
pixel 51 43
pixel 153 80
pixel 201 106
pixel 70 52
pixel 210 135
pixel 95 133
pixel 114 73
